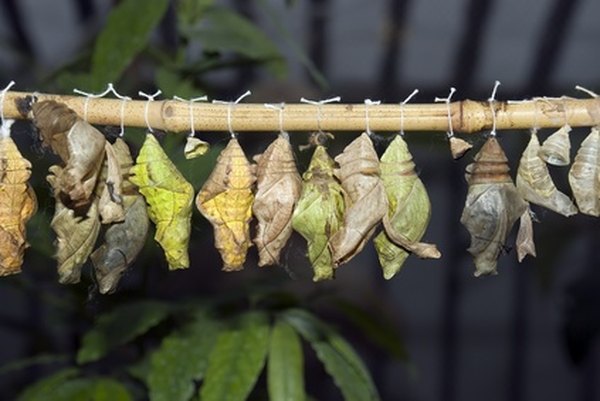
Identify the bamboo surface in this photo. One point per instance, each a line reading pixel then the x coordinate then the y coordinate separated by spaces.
pixel 467 116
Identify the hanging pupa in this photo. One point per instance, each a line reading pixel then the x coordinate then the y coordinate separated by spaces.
pixel 492 206
pixel 319 212
pixel 75 234
pixel 409 211
pixel 584 176
pixel 535 184
pixel 195 147
pixel 278 186
pixel 556 148
pixel 123 240
pixel 109 188
pixel 169 197
pixel 77 143
pixel 17 205
pixel 225 200
pixel 366 201
pixel 458 147
pixel 525 243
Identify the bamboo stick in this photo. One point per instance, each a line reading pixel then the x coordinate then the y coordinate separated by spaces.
pixel 467 116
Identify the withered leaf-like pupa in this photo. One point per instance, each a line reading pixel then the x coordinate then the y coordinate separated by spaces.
pixel 17 205
pixel 535 184
pixel 319 212
pixel 525 242
pixel 458 147
pixel 225 201
pixel 124 240
pixel 75 235
pixel 79 145
pixel 278 186
pixel 408 214
pixel 492 206
pixel 366 201
pixel 556 148
pixel 109 188
pixel 169 197
pixel 195 147
pixel 584 176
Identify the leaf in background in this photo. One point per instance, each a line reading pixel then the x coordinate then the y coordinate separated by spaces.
pixel 189 12
pixel 41 359
pixel 285 368
pixel 225 30
pixel 181 359
pixel 172 84
pixel 120 326
pixel 237 360
pixel 39 389
pixel 96 389
pixel 125 34
pixel 340 360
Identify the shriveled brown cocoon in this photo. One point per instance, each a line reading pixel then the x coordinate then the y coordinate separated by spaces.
pixel 278 186
pixel 458 147
pixel 77 143
pixel 525 242
pixel 109 188
pixel 124 240
pixel 492 206
pixel 17 205
pixel 75 235
pixel 556 148
pixel 366 201
pixel 584 176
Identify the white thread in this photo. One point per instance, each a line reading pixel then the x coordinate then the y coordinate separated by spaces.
pixel 87 99
pixel 402 110
pixel 124 99
pixel 320 103
pixel 491 101
pixel 450 132
pixel 2 96
pixel 279 107
pixel 150 99
pixel 191 110
pixel 585 90
pixel 369 102
pixel 229 110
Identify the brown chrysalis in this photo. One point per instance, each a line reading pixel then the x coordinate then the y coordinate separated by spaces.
pixel 584 176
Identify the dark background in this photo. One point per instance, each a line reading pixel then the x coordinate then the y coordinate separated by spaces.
pixel 527 334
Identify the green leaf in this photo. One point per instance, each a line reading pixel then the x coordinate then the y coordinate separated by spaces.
pixel 41 359
pixel 96 389
pixel 224 30
pixel 173 84
pixel 237 359
pixel 182 359
pixel 191 11
pixel 285 369
pixel 126 33
pixel 119 327
pixel 39 389
pixel 340 360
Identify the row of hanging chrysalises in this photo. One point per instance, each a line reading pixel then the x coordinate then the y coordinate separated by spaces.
pixel 336 205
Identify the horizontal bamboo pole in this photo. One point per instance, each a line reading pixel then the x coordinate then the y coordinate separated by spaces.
pixel 467 116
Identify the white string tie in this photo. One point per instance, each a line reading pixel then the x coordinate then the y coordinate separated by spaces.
pixel 279 107
pixel 450 132
pixel 320 103
pixel 150 99
pixel 191 110
pixel 402 110
pixel 368 103
pixel 230 106
pixel 6 124
pixel 88 96
pixel 491 101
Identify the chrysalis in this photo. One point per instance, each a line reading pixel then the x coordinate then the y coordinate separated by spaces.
pixel 458 147
pixel 109 188
pixel 278 187
pixel 584 175
pixel 366 202
pixel 556 148
pixel 195 147
pixel 319 212
pixel 492 206
pixel 169 197
pixel 75 235
pixel 409 210
pixel 525 243
pixel 123 241
pixel 17 204
pixel 226 201
pixel 535 185
pixel 77 143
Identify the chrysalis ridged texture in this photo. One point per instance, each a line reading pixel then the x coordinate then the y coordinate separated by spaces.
pixel 535 184
pixel 492 206
pixel 525 243
pixel 556 148
pixel 366 201
pixel 77 143
pixel 319 212
pixel 109 187
pixel 169 197
pixel 584 176
pixel 278 186
pixel 408 213
pixel 225 200
pixel 17 205
pixel 123 241
pixel 75 234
